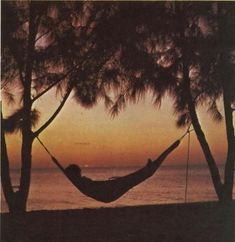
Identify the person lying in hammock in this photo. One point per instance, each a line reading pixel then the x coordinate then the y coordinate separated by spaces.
pixel 110 190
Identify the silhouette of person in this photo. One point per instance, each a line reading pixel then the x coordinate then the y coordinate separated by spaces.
pixel 107 190
pixel 149 162
pixel 111 189
pixel 73 171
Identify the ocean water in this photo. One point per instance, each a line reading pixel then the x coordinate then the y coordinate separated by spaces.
pixel 50 189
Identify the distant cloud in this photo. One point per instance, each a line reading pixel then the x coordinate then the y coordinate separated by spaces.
pixel 82 143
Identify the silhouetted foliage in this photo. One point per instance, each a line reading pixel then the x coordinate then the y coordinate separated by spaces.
pixel 64 45
pixel 121 51
pixel 189 55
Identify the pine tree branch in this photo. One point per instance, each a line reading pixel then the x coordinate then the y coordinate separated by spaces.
pixel 47 32
pixel 54 115
pixel 48 88
pixel 64 76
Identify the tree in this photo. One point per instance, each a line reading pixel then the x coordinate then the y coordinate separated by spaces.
pixel 48 45
pixel 188 54
pixel 211 83
pixel 82 47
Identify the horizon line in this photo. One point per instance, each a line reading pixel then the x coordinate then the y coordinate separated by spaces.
pixel 117 166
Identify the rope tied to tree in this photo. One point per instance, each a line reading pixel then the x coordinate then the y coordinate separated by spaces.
pixel 187 161
pixel 187 132
pixel 187 169
pixel 52 157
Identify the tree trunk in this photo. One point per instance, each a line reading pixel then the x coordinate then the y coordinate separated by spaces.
pixel 26 156
pixel 16 201
pixel 226 76
pixel 7 188
pixel 229 165
pixel 214 171
pixel 186 49
pixel 27 136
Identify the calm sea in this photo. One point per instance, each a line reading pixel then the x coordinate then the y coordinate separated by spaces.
pixel 51 190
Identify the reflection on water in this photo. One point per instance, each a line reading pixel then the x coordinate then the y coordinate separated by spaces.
pixel 51 190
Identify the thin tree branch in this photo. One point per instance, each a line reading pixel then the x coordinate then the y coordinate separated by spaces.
pixel 17 60
pixel 21 75
pixel 47 32
pixel 46 90
pixel 57 81
pixel 4 85
pixel 64 76
pixel 49 121
pixel 53 84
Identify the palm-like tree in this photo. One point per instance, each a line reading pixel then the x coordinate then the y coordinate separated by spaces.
pixel 189 58
pixel 48 45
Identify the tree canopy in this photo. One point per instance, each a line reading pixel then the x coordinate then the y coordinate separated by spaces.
pixel 118 52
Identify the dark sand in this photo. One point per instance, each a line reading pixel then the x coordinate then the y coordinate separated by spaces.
pixel 198 222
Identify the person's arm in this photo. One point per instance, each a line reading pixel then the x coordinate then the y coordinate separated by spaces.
pixel 167 152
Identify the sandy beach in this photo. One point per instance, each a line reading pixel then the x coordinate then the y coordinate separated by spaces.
pixel 195 222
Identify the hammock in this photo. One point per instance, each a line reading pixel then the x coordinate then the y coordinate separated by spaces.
pixel 110 190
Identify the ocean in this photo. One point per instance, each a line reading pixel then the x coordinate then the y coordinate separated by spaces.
pixel 50 189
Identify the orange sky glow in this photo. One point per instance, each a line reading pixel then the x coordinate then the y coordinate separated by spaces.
pixel 91 137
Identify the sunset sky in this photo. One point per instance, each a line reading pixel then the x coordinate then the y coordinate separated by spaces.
pixel 92 137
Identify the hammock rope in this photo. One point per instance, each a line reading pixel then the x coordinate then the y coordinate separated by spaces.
pixel 187 166
pixel 62 168
pixel 52 157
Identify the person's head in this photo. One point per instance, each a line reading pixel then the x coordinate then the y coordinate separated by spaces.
pixel 73 170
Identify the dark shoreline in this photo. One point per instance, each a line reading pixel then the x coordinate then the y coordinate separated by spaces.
pixel 192 222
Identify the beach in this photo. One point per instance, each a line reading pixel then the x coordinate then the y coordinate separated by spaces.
pixel 192 222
